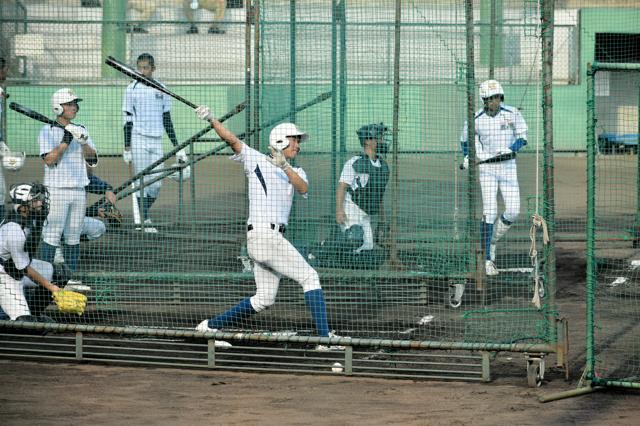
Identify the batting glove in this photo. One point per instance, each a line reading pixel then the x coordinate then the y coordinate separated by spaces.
pixel 204 113
pixel 79 133
pixel 181 156
pixel 127 156
pixel 278 159
pixel 465 163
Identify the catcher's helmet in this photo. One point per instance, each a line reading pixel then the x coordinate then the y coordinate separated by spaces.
pixel 278 136
pixel 61 97
pixel 22 194
pixel 375 131
pixel 13 160
pixel 489 88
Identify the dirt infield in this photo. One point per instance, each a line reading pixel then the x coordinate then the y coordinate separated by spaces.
pixel 51 393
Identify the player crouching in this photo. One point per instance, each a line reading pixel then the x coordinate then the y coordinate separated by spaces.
pixel 17 269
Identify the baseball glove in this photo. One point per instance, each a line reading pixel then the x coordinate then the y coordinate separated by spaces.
pixel 70 302
pixel 112 215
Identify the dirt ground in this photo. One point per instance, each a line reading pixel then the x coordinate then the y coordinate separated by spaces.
pixel 56 393
pixel 59 393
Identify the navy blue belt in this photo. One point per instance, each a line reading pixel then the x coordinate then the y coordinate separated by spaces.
pixel 280 228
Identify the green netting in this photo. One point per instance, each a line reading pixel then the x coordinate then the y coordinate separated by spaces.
pixel 613 226
pixel 332 67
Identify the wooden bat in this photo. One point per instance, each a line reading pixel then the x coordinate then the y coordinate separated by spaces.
pixel 147 81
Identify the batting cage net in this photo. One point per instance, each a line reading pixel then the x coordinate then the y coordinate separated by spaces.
pixel 416 234
pixel 613 221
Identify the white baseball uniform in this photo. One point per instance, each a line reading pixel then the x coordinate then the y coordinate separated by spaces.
pixel 66 181
pixel 270 198
pixel 358 180
pixel 145 106
pixel 494 135
pixel 2 182
pixel 13 255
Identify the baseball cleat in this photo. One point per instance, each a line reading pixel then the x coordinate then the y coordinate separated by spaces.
pixel 148 228
pixel 326 348
pixel 203 327
pixel 490 268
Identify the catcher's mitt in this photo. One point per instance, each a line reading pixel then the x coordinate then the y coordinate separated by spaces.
pixel 70 302
pixel 112 215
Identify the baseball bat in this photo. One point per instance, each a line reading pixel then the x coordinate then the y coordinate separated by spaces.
pixel 34 114
pixel 147 81
pixel 236 110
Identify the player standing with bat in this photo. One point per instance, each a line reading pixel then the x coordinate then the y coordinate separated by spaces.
pixel 272 184
pixel 66 149
pixel 500 133
pixel 147 115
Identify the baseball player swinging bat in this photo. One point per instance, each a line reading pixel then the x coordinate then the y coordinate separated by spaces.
pixel 148 81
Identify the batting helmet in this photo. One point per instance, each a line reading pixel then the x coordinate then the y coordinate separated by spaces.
pixel 61 97
pixel 13 160
pixel 22 194
pixel 278 136
pixel 489 88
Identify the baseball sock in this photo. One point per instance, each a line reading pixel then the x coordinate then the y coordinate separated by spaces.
pixel 147 202
pixel 47 252
pixel 315 302
pixel 486 232
pixel 1 212
pixel 239 312
pixel 71 255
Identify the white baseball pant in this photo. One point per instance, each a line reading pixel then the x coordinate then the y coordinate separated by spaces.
pixel 274 258
pixel 93 228
pixel 12 298
pixel 356 216
pixel 66 215
pixel 145 151
pixel 501 176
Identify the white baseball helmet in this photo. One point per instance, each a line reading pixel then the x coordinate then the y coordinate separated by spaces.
pixel 63 96
pixel 278 136
pixel 13 160
pixel 489 88
pixel 186 173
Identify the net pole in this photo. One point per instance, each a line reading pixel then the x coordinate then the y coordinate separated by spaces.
pixel 471 138
pixel 343 80
pixel 257 45
pixel 292 58
pixel 547 18
pixel 591 219
pixel 247 68
pixel 396 110
pixel 114 43
pixel 492 40
pixel 334 100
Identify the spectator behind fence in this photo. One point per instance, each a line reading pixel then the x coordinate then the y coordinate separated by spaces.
pixel 147 8
pixel 217 7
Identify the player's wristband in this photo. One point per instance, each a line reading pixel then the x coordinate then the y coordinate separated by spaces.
pixel 67 138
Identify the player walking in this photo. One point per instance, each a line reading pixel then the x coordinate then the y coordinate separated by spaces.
pixel 66 154
pixel 362 184
pixel 147 114
pixel 17 235
pixel 500 133
pixel 272 183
